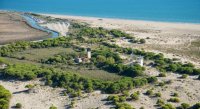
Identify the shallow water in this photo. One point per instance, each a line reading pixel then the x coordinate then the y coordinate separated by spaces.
pixel 155 10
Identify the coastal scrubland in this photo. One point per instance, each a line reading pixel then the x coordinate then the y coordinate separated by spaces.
pixel 47 69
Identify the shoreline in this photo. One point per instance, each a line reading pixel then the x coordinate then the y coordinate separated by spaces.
pixel 107 17
pixel 108 22
pixel 115 18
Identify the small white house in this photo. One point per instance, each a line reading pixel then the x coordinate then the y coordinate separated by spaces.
pixel 140 61
pixel 89 53
pixel 78 60
pixel 3 66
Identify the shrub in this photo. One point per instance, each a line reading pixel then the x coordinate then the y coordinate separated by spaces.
pixel 125 93
pixel 196 106
pixel 149 92
pixel 160 102
pixel 184 76
pixel 134 96
pixel 5 96
pixel 162 75
pixel 72 104
pixel 142 41
pixel 168 106
pixel 184 106
pixel 175 100
pixel 18 105
pixel 123 106
pixel 161 84
pixel 142 107
pixel 158 94
pixel 122 98
pixel 175 94
pixel 199 77
pixel 152 79
pixel 53 107
pixel 29 86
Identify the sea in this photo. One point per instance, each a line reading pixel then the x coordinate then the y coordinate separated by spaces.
pixel 185 11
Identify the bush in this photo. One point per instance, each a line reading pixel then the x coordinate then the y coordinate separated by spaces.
pixel 184 76
pixel 199 77
pixel 142 41
pixel 72 104
pixel 175 94
pixel 5 96
pixel 134 96
pixel 142 107
pixel 196 106
pixel 149 92
pixel 175 100
pixel 158 94
pixel 123 106
pixel 125 93
pixel 152 79
pixel 184 106
pixel 160 102
pixel 161 84
pixel 18 105
pixel 53 107
pixel 168 106
pixel 162 75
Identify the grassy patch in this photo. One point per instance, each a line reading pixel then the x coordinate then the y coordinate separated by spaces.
pixel 38 54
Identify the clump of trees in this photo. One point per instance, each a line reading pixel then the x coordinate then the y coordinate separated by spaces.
pixel 112 62
pixel 74 83
pixel 24 71
pixel 5 96
pixel 8 50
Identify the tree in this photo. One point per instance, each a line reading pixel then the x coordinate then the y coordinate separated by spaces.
pixel 149 92
pixel 160 102
pixel 142 41
pixel 134 96
pixel 184 106
pixel 18 105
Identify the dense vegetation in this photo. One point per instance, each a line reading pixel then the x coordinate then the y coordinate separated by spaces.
pixel 73 82
pixel 9 49
pixel 5 96
pixel 102 58
pixel 161 63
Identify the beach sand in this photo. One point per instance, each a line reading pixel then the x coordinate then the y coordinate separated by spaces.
pixel 14 28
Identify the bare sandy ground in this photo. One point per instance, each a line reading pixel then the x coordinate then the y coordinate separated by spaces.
pixel 173 39
pixel 187 89
pixel 41 98
pixel 14 28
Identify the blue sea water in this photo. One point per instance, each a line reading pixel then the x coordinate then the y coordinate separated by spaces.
pixel 154 10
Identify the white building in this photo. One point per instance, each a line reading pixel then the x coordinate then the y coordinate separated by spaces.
pixel 3 66
pixel 140 61
pixel 78 60
pixel 89 53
